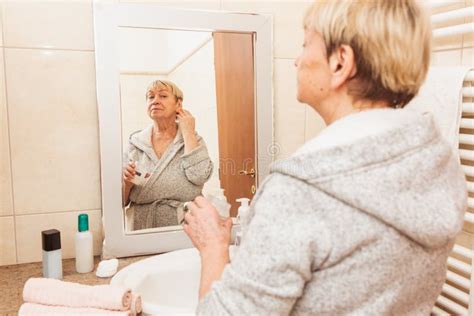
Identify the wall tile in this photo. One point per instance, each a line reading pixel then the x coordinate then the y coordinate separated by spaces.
pixel 182 4
pixel 287 22
pixel 314 123
pixel 29 227
pixel 468 57
pixel 289 113
pixel 446 58
pixel 468 39
pixel 7 241
pixel 49 24
pixel 6 198
pixel 53 130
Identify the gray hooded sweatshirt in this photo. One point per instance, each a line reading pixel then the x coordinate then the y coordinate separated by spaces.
pixel 359 221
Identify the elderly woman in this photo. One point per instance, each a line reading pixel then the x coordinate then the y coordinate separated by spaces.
pixel 361 218
pixel 171 157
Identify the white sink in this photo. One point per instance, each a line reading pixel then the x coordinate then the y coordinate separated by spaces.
pixel 168 283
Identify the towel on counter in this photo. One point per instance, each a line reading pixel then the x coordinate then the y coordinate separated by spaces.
pixel 136 306
pixel 31 309
pixel 441 94
pixel 61 293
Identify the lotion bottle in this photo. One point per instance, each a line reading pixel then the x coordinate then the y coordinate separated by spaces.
pixel 84 249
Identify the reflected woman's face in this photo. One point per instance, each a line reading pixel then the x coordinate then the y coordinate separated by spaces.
pixel 161 104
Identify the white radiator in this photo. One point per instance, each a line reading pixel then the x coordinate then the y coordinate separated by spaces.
pixel 456 297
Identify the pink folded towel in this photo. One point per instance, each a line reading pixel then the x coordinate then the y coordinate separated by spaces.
pixel 136 306
pixel 61 293
pixel 30 309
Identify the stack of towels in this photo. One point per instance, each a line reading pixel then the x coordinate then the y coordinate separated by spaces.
pixel 54 297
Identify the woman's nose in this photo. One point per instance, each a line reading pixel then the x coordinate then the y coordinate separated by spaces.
pixel 297 60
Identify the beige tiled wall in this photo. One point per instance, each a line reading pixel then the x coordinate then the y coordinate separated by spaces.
pixel 49 128
pixel 48 111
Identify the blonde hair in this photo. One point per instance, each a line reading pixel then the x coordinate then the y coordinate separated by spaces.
pixel 168 85
pixel 391 40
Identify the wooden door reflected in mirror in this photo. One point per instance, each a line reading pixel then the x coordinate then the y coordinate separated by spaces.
pixel 235 90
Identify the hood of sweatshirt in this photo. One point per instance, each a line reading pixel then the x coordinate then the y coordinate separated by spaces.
pixel 391 164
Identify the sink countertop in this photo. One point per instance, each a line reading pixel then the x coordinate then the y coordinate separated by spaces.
pixel 13 278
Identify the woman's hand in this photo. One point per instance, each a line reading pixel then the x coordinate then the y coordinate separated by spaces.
pixel 186 122
pixel 211 236
pixel 205 228
pixel 129 174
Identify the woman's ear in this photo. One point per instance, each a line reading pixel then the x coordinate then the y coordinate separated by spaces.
pixel 342 65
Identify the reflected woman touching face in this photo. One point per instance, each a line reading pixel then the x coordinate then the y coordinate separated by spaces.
pixel 166 164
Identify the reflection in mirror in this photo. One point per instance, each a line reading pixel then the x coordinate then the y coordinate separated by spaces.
pixel 173 131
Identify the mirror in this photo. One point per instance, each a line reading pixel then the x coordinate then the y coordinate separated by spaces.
pixel 179 116
pixel 151 61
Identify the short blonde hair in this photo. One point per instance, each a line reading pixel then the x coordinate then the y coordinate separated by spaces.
pixel 391 40
pixel 168 85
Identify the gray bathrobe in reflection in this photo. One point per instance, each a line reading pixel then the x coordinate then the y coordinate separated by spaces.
pixel 175 179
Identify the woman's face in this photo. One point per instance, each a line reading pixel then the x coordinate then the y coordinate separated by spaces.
pixel 313 71
pixel 161 104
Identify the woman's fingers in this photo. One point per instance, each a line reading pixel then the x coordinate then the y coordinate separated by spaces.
pixel 192 207
pixel 184 113
pixel 129 171
pixel 189 218
pixel 127 175
pixel 228 224
pixel 180 112
pixel 187 230
pixel 202 201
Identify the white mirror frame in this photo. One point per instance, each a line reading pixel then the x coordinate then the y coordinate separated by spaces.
pixel 108 17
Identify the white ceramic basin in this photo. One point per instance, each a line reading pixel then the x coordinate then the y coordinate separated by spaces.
pixel 168 283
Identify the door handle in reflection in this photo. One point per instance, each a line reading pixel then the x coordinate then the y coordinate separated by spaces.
pixel 247 173
pixel 253 189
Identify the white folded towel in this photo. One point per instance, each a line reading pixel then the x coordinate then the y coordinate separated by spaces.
pixel 61 293
pixel 136 307
pixel 30 309
pixel 441 94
